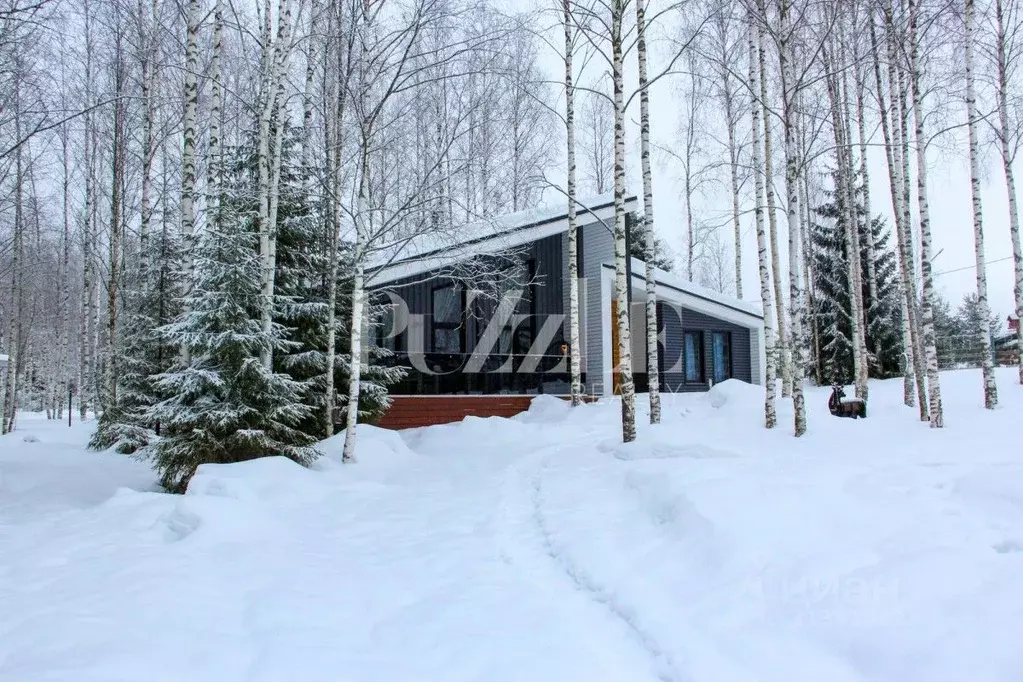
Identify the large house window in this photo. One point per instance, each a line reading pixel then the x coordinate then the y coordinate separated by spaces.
pixel 693 355
pixel 721 343
pixel 447 319
pixel 517 282
pixel 386 336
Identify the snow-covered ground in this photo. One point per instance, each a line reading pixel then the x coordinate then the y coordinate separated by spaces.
pixel 535 549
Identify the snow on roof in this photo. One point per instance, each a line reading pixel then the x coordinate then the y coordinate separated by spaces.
pixel 490 235
pixel 670 280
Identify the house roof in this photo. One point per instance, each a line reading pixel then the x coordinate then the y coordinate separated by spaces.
pixel 506 232
pixel 673 281
pixel 492 235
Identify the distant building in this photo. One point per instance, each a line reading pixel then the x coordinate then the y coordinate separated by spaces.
pixel 1006 344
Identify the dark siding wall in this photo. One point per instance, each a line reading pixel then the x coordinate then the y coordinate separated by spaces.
pixel 546 255
pixel 674 322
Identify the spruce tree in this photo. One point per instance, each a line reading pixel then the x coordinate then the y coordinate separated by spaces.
pixel 301 291
pixel 152 301
pixel 831 295
pixel 223 405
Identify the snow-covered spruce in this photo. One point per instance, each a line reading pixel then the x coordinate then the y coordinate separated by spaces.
pixel 223 405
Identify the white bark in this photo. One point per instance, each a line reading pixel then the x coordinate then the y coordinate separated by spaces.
pixel 843 144
pixel 984 333
pixel 358 296
pixel 85 347
pixel 1008 156
pixel 789 122
pixel 333 119
pixel 115 228
pixel 916 311
pixel 188 166
pixel 733 176
pixel 926 270
pixel 888 113
pixel 272 88
pixel 148 83
pixel 770 416
pixel 868 216
pixel 216 163
pixel 784 357
pixel 575 355
pixel 653 375
pixel 621 289
pixel 14 321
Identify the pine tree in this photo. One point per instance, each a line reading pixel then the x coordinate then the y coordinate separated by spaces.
pixel 832 304
pixel 223 405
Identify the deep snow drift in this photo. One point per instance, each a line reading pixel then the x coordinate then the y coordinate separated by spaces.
pixel 535 549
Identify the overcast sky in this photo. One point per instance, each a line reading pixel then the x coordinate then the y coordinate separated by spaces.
pixel 949 195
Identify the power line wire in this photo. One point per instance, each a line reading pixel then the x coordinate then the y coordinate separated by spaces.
pixel 971 267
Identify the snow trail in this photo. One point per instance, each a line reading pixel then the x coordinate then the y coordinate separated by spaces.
pixel 536 548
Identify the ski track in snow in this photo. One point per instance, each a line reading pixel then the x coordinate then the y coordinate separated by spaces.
pixel 663 663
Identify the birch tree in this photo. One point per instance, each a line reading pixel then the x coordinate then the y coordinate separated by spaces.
pixel 973 122
pixel 889 117
pixel 650 256
pixel 937 419
pixel 575 357
pixel 1006 55
pixel 189 134
pixel 723 53
pixel 276 50
pixel 784 356
pixel 763 258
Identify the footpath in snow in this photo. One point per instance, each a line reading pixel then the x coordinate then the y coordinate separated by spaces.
pixel 535 549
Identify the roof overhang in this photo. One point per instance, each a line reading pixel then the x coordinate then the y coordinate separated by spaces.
pixel 695 297
pixel 534 227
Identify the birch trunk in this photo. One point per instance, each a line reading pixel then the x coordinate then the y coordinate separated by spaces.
pixel 984 333
pixel 916 310
pixel 1010 179
pixel 789 121
pixel 784 357
pixel 358 294
pixel 116 199
pixel 64 328
pixel 148 84
pixel 868 232
pixel 65 280
pixel 927 305
pixel 188 171
pixel 628 388
pixel 332 122
pixel 15 339
pixel 770 416
pixel 805 220
pixel 859 328
pixel 891 149
pixel 575 355
pixel 216 163
pixel 733 169
pixel 653 375
pixel 269 153
pixel 84 340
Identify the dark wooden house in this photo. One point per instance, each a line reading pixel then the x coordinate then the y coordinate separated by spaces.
pixel 480 320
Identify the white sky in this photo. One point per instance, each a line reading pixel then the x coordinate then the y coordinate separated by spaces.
pixel 949 196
